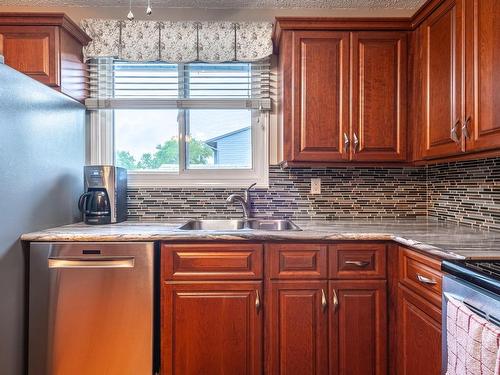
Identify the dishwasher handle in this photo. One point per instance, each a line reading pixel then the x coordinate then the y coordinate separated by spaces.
pixel 91 262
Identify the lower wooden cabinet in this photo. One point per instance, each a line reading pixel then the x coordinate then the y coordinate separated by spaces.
pixel 358 327
pixel 299 317
pixel 212 328
pixel 419 335
pixel 297 327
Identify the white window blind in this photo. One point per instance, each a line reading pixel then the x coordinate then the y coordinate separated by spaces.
pixel 125 85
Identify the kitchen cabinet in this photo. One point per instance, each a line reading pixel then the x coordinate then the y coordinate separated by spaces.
pixel 442 81
pixel 419 335
pixel 297 329
pixel 461 109
pixel 358 327
pixel 482 74
pixel 378 106
pixel 212 328
pixel 211 308
pixel 342 95
pixel 48 48
pixel 315 74
pixel 327 324
pixel 418 314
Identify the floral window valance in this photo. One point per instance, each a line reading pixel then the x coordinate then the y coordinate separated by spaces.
pixel 178 42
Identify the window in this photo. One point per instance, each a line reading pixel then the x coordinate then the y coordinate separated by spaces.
pixel 181 124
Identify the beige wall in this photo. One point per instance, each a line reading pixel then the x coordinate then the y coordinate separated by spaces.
pixel 175 14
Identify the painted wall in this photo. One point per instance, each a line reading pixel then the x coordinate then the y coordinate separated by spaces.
pixel 41 159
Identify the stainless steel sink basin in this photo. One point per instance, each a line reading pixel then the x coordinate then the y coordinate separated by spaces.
pixel 240 224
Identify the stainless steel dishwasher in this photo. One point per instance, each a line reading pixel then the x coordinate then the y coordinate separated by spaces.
pixel 91 308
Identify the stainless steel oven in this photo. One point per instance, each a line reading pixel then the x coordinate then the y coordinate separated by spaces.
pixel 91 309
pixel 477 285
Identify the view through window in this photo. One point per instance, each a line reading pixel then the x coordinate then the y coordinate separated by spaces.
pixel 168 140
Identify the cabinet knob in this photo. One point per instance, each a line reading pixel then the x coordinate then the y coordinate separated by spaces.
pixel 357 263
pixel 346 143
pixel 257 301
pixel 465 127
pixel 324 302
pixel 335 301
pixel 454 134
pixel 356 142
pixel 426 280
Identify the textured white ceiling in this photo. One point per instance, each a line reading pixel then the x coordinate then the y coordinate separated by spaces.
pixel 231 4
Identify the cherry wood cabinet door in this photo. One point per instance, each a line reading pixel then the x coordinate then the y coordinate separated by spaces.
pixel 442 86
pixel 212 328
pixel 378 105
pixel 482 115
pixel 419 335
pixel 297 328
pixel 358 327
pixel 32 50
pixel 320 95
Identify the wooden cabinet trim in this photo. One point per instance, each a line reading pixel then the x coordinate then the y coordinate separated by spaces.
pixel 373 258
pixel 377 139
pixel 288 302
pixel 424 348
pixel 416 270
pixel 296 261
pixel 367 337
pixel 221 295
pixel 212 261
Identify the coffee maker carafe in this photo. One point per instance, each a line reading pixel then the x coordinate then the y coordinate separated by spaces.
pixel 105 198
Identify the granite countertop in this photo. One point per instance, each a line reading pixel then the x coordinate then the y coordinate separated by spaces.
pixel 436 238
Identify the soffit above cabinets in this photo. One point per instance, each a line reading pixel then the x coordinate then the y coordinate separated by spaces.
pixel 232 4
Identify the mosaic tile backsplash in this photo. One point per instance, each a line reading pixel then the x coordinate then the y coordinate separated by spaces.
pixel 346 193
pixel 466 192
pixel 461 192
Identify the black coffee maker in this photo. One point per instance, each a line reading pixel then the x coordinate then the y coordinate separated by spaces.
pixel 105 198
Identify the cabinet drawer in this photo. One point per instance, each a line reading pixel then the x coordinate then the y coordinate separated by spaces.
pixel 421 274
pixel 358 261
pixel 296 261
pixel 212 261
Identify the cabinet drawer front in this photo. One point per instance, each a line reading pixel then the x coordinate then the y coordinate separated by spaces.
pixel 304 261
pixel 358 261
pixel 212 261
pixel 421 274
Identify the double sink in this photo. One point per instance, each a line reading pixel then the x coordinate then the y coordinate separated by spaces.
pixel 241 224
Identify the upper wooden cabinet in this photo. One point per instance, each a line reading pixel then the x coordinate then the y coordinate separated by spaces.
pixel 482 75
pixel 442 90
pixel 342 95
pixel 378 104
pixel 48 48
pixel 460 105
pixel 315 95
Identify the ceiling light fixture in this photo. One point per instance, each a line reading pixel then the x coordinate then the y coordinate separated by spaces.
pixel 148 9
pixel 130 15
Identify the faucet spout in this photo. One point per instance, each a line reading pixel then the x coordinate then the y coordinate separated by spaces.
pixel 245 204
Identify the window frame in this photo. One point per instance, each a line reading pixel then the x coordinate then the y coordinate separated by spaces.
pixel 101 145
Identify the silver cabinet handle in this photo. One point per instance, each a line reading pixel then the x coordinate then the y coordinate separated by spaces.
pixel 356 142
pixel 346 143
pixel 358 263
pixel 257 301
pixel 324 302
pixel 426 280
pixel 91 262
pixel 465 127
pixel 335 301
pixel 454 134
